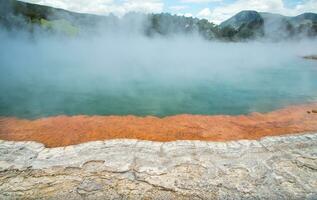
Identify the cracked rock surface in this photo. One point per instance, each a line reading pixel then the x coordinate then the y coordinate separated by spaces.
pixel 270 168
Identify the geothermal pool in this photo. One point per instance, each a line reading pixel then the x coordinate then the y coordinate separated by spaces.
pixel 162 78
pixel 258 90
pixel 88 80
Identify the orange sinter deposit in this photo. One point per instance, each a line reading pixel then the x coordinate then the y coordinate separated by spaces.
pixel 68 130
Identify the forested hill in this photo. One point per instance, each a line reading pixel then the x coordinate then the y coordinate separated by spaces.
pixel 246 25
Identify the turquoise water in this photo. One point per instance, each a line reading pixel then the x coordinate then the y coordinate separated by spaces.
pixel 263 90
pixel 163 83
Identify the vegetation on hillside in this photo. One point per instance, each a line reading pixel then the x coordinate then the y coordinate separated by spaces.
pixel 245 25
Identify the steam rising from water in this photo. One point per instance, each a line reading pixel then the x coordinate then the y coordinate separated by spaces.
pixel 115 73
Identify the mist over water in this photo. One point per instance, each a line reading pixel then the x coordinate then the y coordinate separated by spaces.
pixel 120 74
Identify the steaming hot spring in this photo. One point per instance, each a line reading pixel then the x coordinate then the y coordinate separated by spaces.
pixel 67 92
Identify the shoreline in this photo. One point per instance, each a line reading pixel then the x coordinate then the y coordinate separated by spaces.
pixel 61 131
pixel 311 57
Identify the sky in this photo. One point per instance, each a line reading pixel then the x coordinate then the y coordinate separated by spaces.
pixel 215 11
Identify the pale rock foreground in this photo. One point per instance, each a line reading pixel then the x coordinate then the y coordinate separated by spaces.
pixel 271 168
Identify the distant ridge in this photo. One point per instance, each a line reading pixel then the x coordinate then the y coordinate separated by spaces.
pixel 245 25
pixel 251 16
pixel 271 25
pixel 243 17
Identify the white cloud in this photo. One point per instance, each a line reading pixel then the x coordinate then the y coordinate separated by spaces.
pixel 221 13
pixel 185 14
pixel 188 15
pixel 178 8
pixel 105 6
pixel 199 1
pixel 310 6
pixel 205 13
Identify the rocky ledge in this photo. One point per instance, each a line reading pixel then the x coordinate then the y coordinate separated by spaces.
pixel 270 168
pixel 311 57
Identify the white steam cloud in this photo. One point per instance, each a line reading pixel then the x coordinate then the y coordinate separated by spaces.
pixel 125 72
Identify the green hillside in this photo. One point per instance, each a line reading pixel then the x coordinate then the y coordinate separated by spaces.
pixel 245 25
